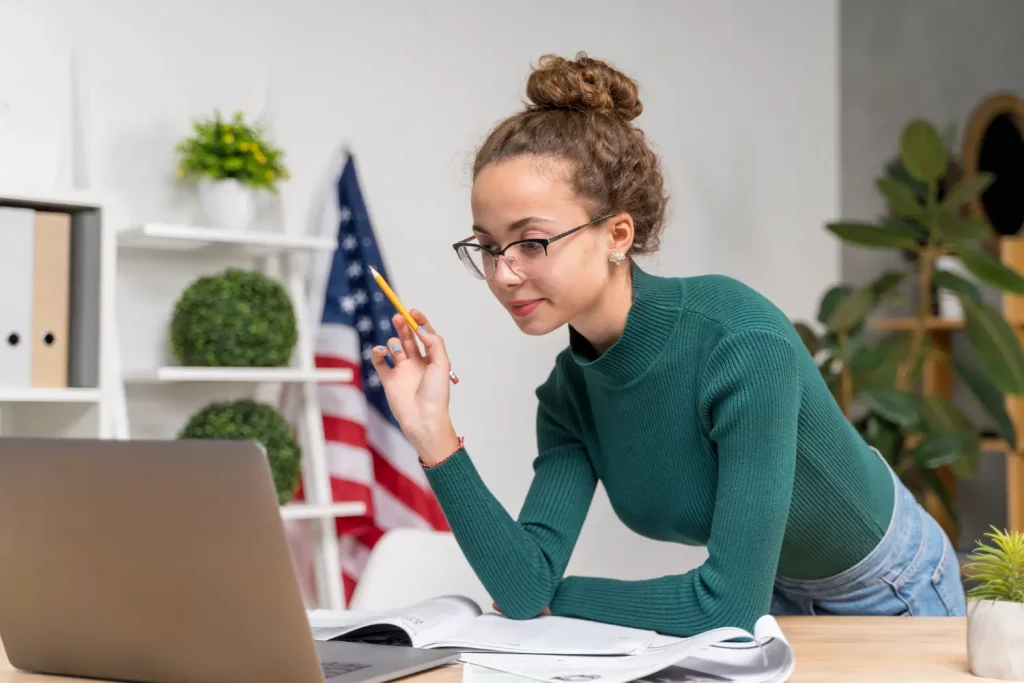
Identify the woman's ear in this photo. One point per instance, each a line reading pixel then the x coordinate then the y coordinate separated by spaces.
pixel 620 233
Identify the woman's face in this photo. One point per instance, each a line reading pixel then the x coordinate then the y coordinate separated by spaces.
pixel 531 197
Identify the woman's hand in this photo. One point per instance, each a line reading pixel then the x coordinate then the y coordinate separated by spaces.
pixel 418 386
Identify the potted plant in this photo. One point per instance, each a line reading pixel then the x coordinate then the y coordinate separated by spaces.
pixel 231 160
pixel 877 379
pixel 247 420
pixel 237 318
pixel 995 607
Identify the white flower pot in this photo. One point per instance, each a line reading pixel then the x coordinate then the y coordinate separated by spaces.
pixel 949 303
pixel 227 203
pixel 995 639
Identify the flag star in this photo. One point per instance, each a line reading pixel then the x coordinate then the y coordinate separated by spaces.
pixel 367 241
pixel 367 352
pixel 346 214
pixel 378 296
pixel 373 380
pixel 360 297
pixel 365 324
pixel 349 243
pixel 354 270
pixel 348 304
pixel 384 324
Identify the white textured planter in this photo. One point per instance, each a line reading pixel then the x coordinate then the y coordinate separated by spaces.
pixel 227 203
pixel 995 639
pixel 949 303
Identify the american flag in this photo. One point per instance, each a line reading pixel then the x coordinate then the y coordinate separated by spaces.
pixel 368 457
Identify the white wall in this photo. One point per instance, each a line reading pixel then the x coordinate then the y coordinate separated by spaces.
pixel 740 98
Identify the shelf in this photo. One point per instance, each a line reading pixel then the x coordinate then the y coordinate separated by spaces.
pixel 63 198
pixel 989 444
pixel 170 237
pixel 31 395
pixel 204 374
pixel 306 511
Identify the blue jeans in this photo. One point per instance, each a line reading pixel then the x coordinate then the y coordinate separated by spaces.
pixel 912 572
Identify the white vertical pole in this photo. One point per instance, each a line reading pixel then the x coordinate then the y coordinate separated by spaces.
pixel 327 560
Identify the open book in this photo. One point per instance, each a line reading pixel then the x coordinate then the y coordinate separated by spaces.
pixel 723 655
pixel 565 650
pixel 458 623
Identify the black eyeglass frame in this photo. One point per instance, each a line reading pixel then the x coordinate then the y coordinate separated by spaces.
pixel 542 241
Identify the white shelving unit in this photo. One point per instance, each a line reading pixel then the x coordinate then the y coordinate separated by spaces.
pixel 281 253
pixel 94 252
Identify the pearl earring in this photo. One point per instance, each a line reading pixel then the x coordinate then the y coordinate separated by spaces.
pixel 616 257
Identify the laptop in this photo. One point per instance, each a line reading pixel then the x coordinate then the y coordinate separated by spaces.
pixel 161 562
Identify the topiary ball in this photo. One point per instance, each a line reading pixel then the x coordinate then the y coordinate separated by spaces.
pixel 252 421
pixel 238 318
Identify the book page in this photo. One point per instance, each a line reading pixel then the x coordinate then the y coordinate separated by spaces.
pixel 584 669
pixel 548 635
pixel 417 625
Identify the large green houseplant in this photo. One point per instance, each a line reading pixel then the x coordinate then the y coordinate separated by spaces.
pixel 877 378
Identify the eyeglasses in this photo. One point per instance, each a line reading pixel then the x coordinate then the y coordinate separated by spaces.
pixel 526 258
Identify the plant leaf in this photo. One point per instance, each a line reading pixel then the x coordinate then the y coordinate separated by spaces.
pixel 902 199
pixel 958 230
pixel 954 283
pixel 883 435
pixel 966 466
pixel 807 336
pixel 830 300
pixel 922 151
pixel 942 415
pixel 894 405
pixel 995 345
pixel 909 229
pixel 870 235
pixel 991 270
pixel 966 190
pixel 892 349
pixel 938 449
pixel 990 398
pixel 886 283
pixel 852 310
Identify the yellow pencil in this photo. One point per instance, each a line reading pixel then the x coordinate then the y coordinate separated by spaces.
pixel 393 298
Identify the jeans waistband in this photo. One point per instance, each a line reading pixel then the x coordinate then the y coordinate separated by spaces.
pixel 903 525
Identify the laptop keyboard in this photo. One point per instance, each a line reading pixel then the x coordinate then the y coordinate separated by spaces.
pixel 332 669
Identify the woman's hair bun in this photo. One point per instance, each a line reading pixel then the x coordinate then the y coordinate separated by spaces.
pixel 582 84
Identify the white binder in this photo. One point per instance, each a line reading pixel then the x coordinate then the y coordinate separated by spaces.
pixel 17 237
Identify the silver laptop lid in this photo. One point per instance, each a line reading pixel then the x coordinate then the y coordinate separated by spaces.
pixel 151 561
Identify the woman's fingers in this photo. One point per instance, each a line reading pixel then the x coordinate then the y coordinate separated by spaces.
pixel 408 337
pixel 379 362
pixel 436 352
pixel 396 350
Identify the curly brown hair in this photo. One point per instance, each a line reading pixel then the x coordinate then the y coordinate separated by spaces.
pixel 581 110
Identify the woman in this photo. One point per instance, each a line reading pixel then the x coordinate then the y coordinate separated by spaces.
pixel 691 399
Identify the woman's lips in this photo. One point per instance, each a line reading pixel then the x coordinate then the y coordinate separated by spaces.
pixel 521 307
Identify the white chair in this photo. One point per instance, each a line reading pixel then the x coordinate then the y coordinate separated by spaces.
pixel 410 565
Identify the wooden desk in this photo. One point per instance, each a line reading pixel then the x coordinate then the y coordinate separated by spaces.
pixel 834 649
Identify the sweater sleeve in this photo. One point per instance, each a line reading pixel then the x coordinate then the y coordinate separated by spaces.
pixel 520 563
pixel 749 402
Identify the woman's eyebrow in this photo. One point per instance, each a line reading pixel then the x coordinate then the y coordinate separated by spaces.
pixel 515 225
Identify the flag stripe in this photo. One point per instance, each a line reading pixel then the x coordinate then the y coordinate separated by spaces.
pixel 368 457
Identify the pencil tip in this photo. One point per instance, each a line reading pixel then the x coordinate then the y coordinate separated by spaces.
pixel 373 271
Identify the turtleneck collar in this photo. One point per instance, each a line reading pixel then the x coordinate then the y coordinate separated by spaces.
pixel 649 324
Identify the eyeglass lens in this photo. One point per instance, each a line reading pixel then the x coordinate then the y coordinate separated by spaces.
pixel 525 260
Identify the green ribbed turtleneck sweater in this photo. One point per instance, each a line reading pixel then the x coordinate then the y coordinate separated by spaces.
pixel 707 423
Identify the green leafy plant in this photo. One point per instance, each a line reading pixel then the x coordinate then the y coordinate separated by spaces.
pixel 231 148
pixel 996 569
pixel 252 421
pixel 877 379
pixel 238 318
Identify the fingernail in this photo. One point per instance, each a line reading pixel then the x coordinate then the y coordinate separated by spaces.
pixel 395 348
pixel 381 348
